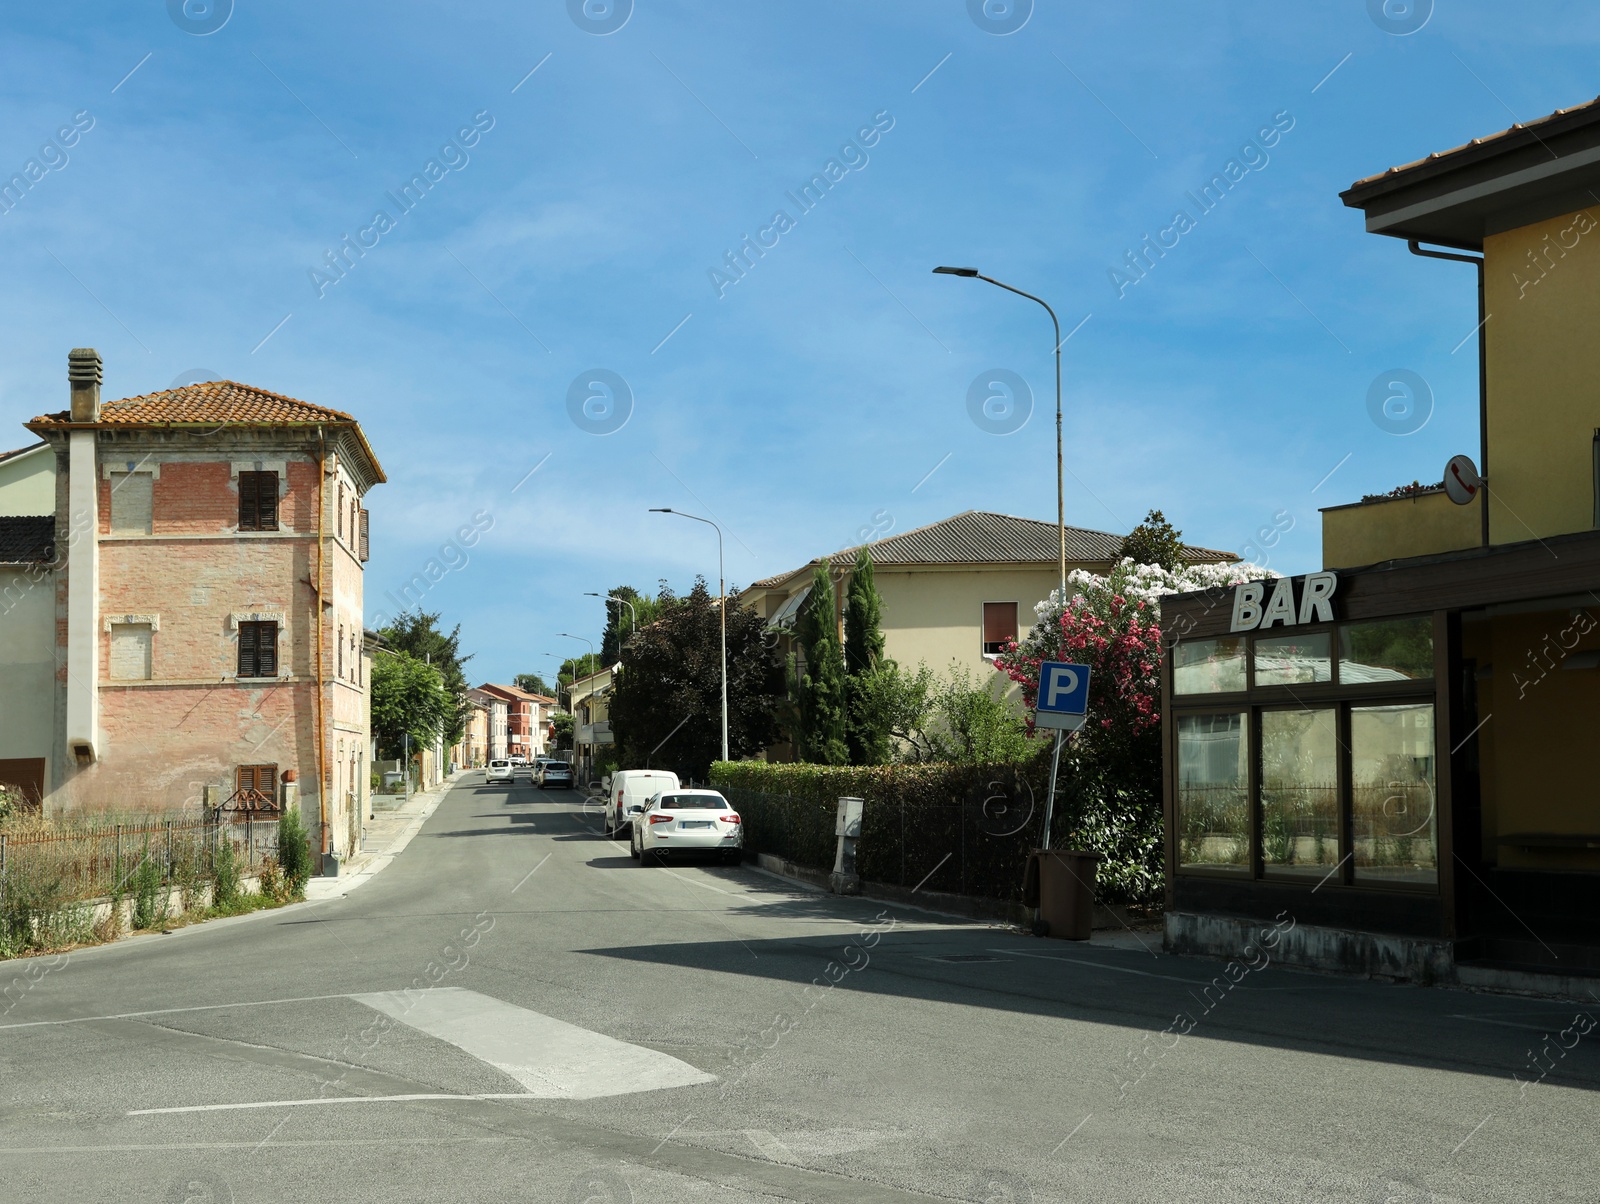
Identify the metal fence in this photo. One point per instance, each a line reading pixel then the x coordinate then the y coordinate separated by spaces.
pixel 47 863
pixel 972 845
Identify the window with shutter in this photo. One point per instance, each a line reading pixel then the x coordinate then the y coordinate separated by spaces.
pixel 258 649
pixel 257 787
pixel 130 652
pixel 340 510
pixel 999 626
pixel 258 501
pixel 131 499
pixel 363 536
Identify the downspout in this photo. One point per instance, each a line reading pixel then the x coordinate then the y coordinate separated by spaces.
pixel 322 736
pixel 1483 372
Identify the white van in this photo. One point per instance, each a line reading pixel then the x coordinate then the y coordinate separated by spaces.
pixel 629 791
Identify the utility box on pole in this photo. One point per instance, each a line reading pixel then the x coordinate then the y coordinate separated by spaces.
pixel 847 827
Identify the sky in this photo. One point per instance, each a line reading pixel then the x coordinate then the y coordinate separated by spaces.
pixel 566 326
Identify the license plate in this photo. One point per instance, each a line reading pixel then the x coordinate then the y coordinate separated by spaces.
pixel 694 823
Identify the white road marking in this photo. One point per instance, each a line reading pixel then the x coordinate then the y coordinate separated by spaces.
pixel 205 1007
pixel 550 1058
pixel 245 1145
pixel 770 1147
pixel 1093 965
pixel 318 1101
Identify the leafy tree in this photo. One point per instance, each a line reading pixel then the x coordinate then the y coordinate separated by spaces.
pixel 532 683
pixel 622 620
pixel 575 667
pixel 562 724
pixel 865 737
pixel 1155 541
pixel 417 634
pixel 818 678
pixel 408 696
pixel 974 723
pixel 666 707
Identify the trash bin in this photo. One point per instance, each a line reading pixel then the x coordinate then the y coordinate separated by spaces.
pixel 1060 883
pixel 392 778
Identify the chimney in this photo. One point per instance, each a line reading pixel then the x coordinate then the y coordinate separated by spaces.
pixel 84 370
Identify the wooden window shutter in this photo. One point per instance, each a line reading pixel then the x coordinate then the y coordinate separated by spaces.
pixel 269 650
pixel 267 500
pixel 340 510
pixel 248 642
pixel 247 501
pixel 363 536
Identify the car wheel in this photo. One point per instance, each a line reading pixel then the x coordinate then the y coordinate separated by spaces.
pixel 633 850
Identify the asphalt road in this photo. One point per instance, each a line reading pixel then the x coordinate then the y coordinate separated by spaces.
pixel 517 1011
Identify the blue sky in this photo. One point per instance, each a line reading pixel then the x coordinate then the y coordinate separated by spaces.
pixel 812 398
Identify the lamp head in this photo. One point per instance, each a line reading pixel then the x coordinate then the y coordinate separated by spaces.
pixel 660 509
pixel 955 271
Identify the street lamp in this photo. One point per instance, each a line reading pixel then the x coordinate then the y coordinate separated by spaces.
pixel 594 663
pixel 610 598
pixel 1061 500
pixel 1061 503
pixel 722 597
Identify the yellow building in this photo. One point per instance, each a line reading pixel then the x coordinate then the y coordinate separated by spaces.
pixel 1407 767
pixel 954 591
pixel 589 700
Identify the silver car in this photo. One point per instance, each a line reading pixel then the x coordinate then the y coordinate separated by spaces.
pixel 687 821
pixel 555 773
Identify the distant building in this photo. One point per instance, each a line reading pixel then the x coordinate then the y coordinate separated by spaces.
pixel 524 730
pixel 194 617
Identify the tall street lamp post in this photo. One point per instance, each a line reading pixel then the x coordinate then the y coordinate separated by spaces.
pixel 594 663
pixel 610 598
pixel 722 598
pixel 1061 498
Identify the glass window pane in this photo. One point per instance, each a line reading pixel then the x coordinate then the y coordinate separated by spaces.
pixel 1393 650
pixel 1393 818
pixel 1291 660
pixel 1208 666
pixel 1213 792
pixel 1299 791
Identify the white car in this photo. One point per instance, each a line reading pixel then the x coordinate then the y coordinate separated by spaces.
pixel 554 773
pixel 629 789
pixel 687 821
pixel 499 771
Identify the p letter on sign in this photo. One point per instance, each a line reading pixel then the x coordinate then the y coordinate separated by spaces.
pixel 1316 602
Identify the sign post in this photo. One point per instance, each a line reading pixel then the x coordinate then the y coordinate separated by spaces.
pixel 1063 702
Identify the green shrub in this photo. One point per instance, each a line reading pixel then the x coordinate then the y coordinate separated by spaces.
pixel 294 852
pixel 224 875
pixel 149 909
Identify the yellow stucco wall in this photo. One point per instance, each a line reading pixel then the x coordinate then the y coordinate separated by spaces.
pixel 28 483
pixel 1544 376
pixel 1539 761
pixel 936 615
pixel 1370 532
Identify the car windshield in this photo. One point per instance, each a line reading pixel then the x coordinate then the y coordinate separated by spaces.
pixel 693 802
pixel 558 766
pixel 498 764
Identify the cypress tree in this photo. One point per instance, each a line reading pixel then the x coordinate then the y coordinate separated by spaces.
pixel 865 735
pixel 822 684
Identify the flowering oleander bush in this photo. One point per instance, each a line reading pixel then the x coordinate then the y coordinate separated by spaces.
pixel 1109 796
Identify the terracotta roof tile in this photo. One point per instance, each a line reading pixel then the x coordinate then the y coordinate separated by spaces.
pixel 210 401
pixel 1532 128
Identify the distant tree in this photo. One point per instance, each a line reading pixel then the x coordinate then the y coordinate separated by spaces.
pixel 866 736
pixel 1155 541
pixel 666 706
pixel 417 634
pixel 532 683
pixel 562 724
pixel 408 697
pixel 818 677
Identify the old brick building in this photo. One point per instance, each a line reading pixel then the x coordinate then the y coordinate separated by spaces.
pixel 208 572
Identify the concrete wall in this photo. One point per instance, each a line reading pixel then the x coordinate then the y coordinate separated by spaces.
pixel 1543 362
pixel 28 483
pixel 1371 532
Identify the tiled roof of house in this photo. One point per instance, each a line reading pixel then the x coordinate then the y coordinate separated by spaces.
pixel 214 403
pixel 219 401
pixel 27 539
pixel 1522 132
pixel 516 692
pixel 984 537
pixel 4 456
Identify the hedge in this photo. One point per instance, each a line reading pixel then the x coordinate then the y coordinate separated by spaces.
pixel 962 829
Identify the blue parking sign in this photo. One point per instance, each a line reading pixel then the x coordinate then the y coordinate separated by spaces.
pixel 1063 695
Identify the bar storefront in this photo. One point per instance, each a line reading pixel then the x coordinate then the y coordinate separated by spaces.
pixel 1332 753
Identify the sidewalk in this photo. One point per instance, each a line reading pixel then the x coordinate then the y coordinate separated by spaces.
pixel 395 822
